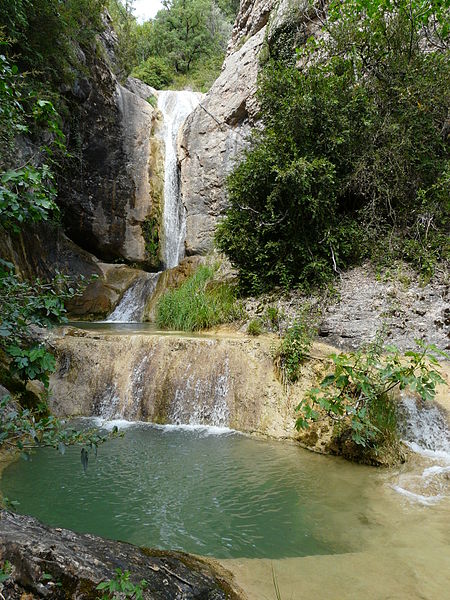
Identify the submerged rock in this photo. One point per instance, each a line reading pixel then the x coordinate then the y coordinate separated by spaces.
pixel 58 563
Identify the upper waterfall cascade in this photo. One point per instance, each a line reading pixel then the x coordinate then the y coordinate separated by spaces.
pixel 175 107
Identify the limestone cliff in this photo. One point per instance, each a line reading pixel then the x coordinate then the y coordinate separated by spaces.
pixel 218 130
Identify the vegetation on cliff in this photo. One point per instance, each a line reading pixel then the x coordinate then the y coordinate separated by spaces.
pixel 32 148
pixel 183 46
pixel 353 157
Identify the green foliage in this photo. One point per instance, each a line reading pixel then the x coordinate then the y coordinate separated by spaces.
pixel 273 316
pixel 150 231
pixel 182 47
pixel 5 571
pixel 353 151
pixel 201 76
pixel 199 303
pixel 255 327
pixel 293 350
pixel 186 30
pixel 356 394
pixel 44 33
pixel 26 430
pixel 27 192
pixel 154 72
pixel 23 304
pixel 120 587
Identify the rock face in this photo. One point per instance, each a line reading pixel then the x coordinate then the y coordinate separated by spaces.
pixel 253 15
pixel 213 136
pixel 220 380
pixel 106 191
pixel 217 132
pixel 43 250
pixel 59 564
pixel 398 303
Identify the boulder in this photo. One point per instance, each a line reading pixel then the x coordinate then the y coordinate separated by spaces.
pixel 60 564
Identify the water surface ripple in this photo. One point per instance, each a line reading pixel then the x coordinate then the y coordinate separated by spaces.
pixel 209 491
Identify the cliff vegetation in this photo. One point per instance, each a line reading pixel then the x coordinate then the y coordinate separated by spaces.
pixel 352 158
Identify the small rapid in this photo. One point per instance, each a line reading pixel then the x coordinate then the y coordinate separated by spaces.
pixel 425 431
pixel 132 305
pixel 175 107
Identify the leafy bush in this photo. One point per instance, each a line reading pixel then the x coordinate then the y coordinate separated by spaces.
pixel 353 152
pixel 293 351
pixel 356 394
pixel 27 192
pixel 198 303
pixel 44 34
pixel 202 75
pixel 154 72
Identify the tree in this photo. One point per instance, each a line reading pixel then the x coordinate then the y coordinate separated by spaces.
pixel 353 158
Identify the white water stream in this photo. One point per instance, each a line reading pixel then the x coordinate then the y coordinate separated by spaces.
pixel 425 431
pixel 175 107
pixel 131 307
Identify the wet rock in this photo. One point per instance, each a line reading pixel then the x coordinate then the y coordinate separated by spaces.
pixel 212 139
pixel 105 190
pixel 43 250
pixel 60 564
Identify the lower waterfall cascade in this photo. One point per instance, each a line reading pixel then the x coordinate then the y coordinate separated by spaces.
pixel 131 307
pixel 425 431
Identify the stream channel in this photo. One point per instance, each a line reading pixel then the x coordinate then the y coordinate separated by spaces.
pixel 321 526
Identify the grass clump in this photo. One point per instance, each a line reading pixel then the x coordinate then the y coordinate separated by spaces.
pixel 199 303
pixel 255 327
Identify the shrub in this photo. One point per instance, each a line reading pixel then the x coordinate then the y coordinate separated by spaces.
pixel 154 72
pixel 356 394
pixel 199 303
pixel 255 327
pixel 121 587
pixel 272 316
pixel 353 152
pixel 293 351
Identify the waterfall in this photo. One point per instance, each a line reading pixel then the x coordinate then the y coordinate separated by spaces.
pixel 131 307
pixel 203 401
pixel 424 429
pixel 175 107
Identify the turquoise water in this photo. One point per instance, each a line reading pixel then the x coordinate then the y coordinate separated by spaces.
pixel 210 492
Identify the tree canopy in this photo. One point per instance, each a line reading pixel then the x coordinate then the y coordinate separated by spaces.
pixel 353 157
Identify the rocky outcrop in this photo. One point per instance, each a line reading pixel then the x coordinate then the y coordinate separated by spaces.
pixel 366 301
pixel 59 564
pixel 212 138
pixel 105 190
pixel 226 380
pixel 44 250
pixel 253 15
pixel 395 303
pixel 217 132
